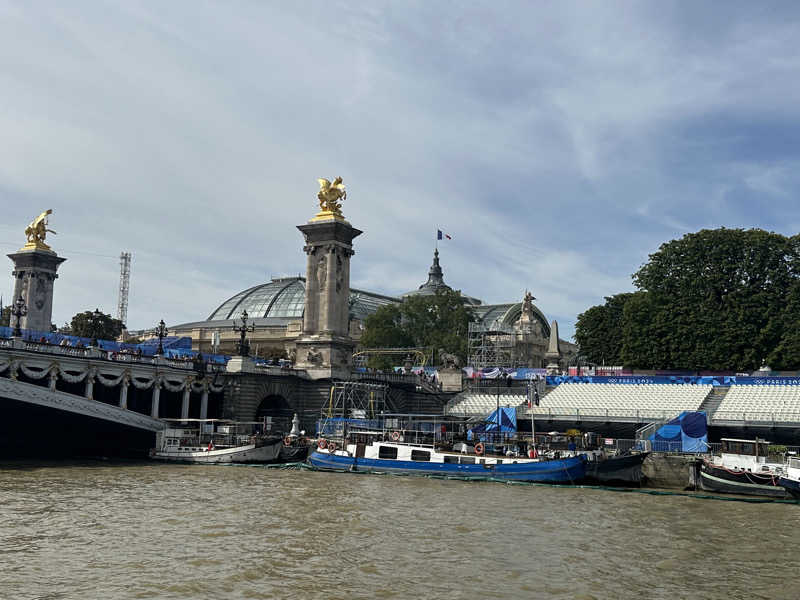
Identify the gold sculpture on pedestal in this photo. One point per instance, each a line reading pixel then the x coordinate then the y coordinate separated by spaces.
pixel 329 196
pixel 37 231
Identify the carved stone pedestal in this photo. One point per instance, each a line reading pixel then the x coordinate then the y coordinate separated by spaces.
pixel 240 364
pixel 34 275
pixel 325 348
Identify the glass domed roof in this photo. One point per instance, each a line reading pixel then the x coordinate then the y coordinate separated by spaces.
pixel 285 298
pixel 278 298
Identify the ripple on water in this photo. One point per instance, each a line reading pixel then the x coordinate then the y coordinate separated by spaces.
pixel 166 531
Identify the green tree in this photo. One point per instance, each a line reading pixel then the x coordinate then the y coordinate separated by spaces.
pixel 5 317
pixel 598 331
pixel 715 299
pixel 96 324
pixel 432 322
pixel 384 329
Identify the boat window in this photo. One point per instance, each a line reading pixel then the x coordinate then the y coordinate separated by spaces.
pixel 387 452
pixel 499 461
pixel 420 455
pixel 449 458
pixel 483 461
pixel 467 460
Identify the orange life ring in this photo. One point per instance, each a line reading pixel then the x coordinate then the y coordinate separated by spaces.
pixel 287 441
pixel 322 444
pixel 395 436
pixel 332 447
pixel 479 448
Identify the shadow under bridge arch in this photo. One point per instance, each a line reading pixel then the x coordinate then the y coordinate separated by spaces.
pixel 277 411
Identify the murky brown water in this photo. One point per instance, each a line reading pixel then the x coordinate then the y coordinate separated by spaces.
pixel 97 530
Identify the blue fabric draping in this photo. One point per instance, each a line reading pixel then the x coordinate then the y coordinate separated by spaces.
pixel 688 432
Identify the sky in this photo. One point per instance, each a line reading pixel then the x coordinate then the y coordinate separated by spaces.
pixel 557 143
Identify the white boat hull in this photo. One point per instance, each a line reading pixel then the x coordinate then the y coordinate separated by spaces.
pixel 239 454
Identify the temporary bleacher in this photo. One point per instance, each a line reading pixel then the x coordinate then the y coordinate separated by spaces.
pixel 472 404
pixel 760 403
pixel 649 400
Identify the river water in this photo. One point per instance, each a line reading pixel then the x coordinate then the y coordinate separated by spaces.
pixel 100 530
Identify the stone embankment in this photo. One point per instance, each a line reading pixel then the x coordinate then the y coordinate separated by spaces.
pixel 670 471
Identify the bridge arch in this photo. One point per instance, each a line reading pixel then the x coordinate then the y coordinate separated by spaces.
pixel 278 409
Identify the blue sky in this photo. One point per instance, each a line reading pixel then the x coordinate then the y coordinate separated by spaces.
pixel 558 143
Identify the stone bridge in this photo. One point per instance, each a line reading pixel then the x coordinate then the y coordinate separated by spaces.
pixel 86 400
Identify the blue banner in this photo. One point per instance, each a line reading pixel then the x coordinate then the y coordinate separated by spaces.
pixel 675 379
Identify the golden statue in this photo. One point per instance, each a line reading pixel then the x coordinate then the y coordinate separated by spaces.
pixel 329 196
pixel 37 231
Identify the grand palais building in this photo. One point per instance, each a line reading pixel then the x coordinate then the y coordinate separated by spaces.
pixel 509 334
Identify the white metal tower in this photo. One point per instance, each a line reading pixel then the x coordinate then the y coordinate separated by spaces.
pixel 124 286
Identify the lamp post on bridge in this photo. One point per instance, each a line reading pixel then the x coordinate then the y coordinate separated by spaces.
pixel 243 345
pixel 94 325
pixel 161 333
pixel 18 310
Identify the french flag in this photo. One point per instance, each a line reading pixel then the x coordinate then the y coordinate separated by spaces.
pixel 439 235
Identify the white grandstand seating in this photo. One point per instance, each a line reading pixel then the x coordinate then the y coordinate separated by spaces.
pixel 649 399
pixel 482 404
pixel 596 399
pixel 760 402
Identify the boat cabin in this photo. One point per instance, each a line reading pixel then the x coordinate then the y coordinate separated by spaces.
pixel 745 455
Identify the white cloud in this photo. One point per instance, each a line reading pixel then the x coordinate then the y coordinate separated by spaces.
pixel 558 144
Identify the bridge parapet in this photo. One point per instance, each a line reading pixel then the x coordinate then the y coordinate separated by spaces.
pixel 87 365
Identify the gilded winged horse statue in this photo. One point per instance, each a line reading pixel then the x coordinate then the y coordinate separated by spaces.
pixel 37 231
pixel 330 194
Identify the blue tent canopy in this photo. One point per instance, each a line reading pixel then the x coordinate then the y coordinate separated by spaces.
pixel 505 417
pixel 688 432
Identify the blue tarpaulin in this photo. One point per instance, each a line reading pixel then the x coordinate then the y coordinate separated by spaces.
pixel 688 432
pixel 507 420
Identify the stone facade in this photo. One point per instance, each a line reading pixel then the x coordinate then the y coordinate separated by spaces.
pixel 325 347
pixel 34 275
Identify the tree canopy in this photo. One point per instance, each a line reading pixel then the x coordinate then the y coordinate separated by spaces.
pixel 598 329
pixel 431 322
pixel 95 324
pixel 721 299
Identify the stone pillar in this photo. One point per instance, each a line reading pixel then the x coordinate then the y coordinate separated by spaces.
pixel 553 354
pixel 34 275
pixel 185 404
pixel 204 402
pixel 156 396
pixel 325 345
pixel 123 392
pixel 90 384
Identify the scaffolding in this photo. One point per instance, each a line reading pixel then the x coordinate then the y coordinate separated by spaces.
pixel 356 400
pixel 492 346
pixel 415 355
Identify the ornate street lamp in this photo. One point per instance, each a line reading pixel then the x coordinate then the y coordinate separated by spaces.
pixel 18 310
pixel 161 333
pixel 95 325
pixel 243 346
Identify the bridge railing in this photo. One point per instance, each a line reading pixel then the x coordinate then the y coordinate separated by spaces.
pixel 113 356
pixel 387 377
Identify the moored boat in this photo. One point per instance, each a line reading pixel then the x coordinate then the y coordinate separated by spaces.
pixel 370 452
pixel 623 470
pixel 742 468
pixel 601 467
pixel 213 441
pixel 790 481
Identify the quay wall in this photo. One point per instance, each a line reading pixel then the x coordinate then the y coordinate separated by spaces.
pixel 670 471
